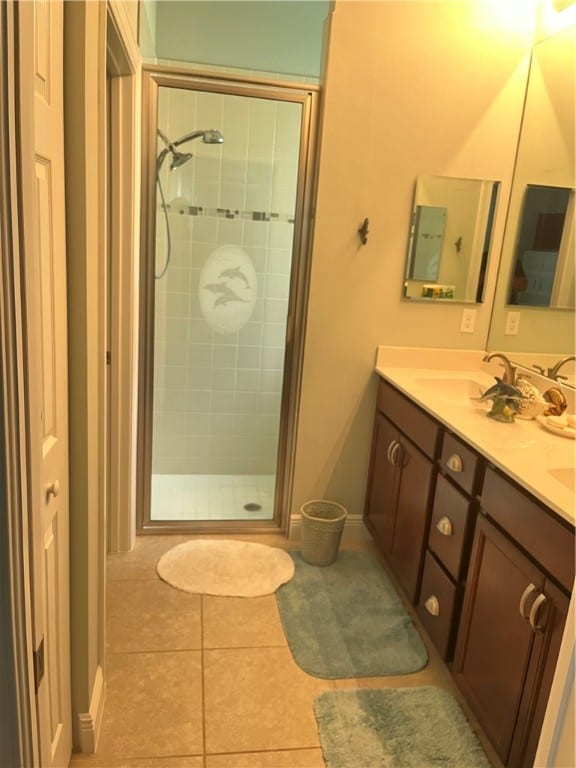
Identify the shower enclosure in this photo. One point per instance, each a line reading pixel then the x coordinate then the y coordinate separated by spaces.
pixel 227 184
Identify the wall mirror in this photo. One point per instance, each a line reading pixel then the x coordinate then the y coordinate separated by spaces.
pixel 536 272
pixel 543 265
pixel 449 239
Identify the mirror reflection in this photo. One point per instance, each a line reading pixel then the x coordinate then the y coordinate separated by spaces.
pixel 449 241
pixel 537 262
pixel 543 273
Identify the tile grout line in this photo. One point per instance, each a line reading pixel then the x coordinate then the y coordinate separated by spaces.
pixel 203 680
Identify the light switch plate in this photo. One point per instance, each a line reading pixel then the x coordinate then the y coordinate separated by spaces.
pixel 512 323
pixel 468 321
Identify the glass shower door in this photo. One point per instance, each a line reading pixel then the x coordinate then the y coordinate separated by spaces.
pixel 224 263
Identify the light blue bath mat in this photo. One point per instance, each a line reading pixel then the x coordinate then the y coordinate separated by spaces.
pixel 346 620
pixel 387 728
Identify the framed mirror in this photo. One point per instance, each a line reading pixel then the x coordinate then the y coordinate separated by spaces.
pixel 449 239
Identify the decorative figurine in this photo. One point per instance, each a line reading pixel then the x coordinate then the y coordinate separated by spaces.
pixel 555 401
pixel 533 403
pixel 506 400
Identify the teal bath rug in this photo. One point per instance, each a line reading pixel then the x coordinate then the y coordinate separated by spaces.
pixel 408 727
pixel 346 620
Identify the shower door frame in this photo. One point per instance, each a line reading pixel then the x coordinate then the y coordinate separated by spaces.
pixel 307 96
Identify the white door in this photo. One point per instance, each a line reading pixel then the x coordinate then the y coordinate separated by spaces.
pixel 40 39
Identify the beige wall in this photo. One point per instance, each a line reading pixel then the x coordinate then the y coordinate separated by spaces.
pixel 411 88
pixel 85 156
pixel 84 44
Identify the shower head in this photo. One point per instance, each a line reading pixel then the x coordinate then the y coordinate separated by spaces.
pixel 179 158
pixel 211 136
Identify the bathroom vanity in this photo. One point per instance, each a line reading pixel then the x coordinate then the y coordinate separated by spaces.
pixel 476 521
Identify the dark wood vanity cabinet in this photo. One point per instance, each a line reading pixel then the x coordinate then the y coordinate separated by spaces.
pixel 513 617
pixel 449 537
pixel 489 567
pixel 401 484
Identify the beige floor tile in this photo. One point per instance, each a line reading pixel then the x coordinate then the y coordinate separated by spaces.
pixel 257 699
pixel 180 761
pixel 153 705
pixel 241 622
pixel 140 562
pixel 152 616
pixel 294 758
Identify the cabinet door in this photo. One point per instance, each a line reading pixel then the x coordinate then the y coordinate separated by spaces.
pixel 551 619
pixel 381 499
pixel 495 642
pixel 412 507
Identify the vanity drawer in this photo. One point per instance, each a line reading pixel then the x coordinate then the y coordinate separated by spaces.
pixel 449 526
pixel 438 602
pixel 460 463
pixel 548 540
pixel 409 418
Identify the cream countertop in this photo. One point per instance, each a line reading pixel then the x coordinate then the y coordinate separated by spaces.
pixel 523 450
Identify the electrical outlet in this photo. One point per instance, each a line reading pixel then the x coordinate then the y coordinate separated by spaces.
pixel 468 321
pixel 512 323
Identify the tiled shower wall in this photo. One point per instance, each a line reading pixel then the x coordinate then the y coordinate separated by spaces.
pixel 217 396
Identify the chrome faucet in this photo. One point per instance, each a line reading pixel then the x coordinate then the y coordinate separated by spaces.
pixel 553 372
pixel 509 370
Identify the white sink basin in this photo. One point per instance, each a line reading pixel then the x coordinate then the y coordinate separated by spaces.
pixel 564 475
pixel 453 389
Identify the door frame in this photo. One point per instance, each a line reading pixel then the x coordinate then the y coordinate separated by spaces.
pixel 124 63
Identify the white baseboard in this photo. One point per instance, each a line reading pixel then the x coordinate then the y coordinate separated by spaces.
pixel 89 722
pixel 354 529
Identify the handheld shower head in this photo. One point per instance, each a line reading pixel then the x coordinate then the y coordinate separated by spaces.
pixel 210 136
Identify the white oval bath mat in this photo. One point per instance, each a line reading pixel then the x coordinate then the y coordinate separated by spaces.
pixel 225 567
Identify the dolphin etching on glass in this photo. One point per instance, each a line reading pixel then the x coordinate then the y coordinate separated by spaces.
pixel 226 299
pixel 235 272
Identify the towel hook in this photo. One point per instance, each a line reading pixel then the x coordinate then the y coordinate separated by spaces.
pixel 363 232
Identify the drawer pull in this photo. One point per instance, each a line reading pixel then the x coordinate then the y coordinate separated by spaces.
pixel 391 445
pixel 394 453
pixel 444 525
pixel 525 595
pixel 540 600
pixel 455 463
pixel 432 605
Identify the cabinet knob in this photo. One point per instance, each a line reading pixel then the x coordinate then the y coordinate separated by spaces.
pixel 455 463
pixel 52 489
pixel 432 605
pixel 444 525
pixel 540 600
pixel 525 595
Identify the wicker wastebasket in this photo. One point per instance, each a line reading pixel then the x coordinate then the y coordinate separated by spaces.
pixel 322 526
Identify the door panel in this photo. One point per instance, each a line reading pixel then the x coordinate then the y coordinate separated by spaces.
pixel 495 642
pixel 40 38
pixel 381 505
pixel 411 517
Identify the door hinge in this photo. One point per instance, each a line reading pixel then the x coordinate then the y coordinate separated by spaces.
pixel 108 357
pixel 38 665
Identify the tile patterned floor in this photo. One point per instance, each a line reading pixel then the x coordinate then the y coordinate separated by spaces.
pixel 208 682
pixel 212 497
